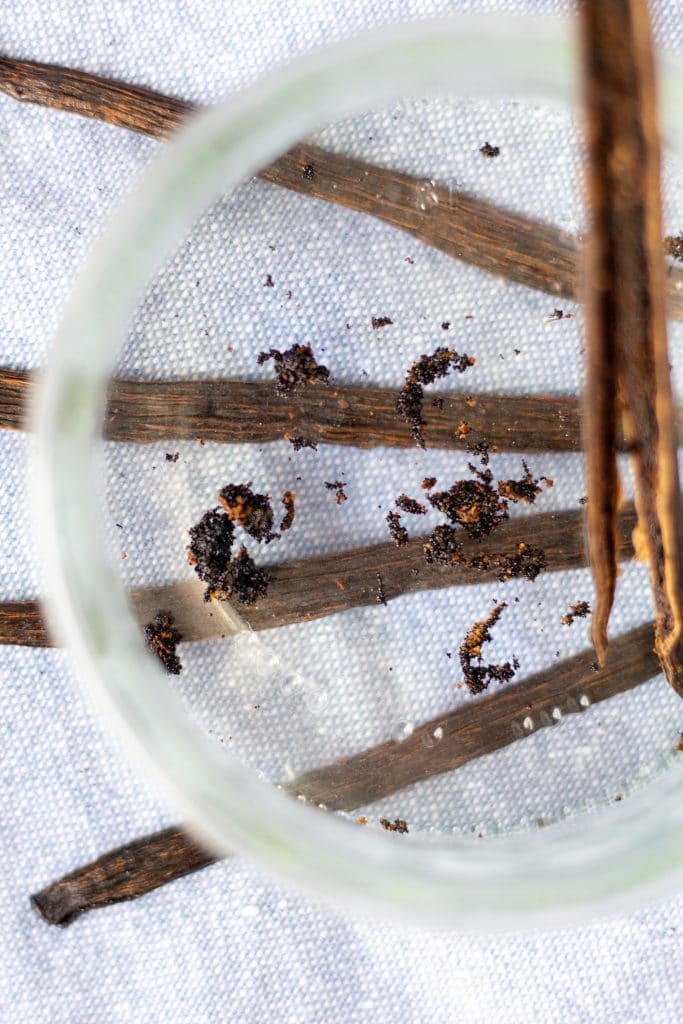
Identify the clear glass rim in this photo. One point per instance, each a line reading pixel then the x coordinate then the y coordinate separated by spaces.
pixel 544 876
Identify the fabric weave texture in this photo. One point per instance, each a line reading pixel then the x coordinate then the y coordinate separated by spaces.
pixel 229 944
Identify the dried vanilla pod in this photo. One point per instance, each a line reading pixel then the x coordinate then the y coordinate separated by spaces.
pixel 628 373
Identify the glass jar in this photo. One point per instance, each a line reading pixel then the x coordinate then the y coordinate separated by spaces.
pixel 479 861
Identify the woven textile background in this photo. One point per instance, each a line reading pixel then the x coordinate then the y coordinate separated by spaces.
pixel 228 944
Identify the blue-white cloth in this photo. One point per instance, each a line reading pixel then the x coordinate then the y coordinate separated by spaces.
pixel 228 944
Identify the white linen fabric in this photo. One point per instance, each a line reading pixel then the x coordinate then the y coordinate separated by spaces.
pixel 228 943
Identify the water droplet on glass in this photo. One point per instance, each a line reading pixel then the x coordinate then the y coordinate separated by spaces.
pixel 426 195
pixel 293 687
pixel 316 701
pixel 403 730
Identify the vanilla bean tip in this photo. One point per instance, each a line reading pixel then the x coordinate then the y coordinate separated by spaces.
pixel 58 905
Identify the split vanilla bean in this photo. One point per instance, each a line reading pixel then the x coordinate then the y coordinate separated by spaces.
pixel 467 228
pixel 311 588
pixel 477 728
pixel 628 364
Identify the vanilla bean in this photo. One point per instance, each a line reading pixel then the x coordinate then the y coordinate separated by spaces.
pixel 477 728
pixel 311 588
pixel 122 874
pixel 242 412
pixel 22 625
pixel 234 411
pixel 102 99
pixel 600 411
pixel 303 590
pixel 628 360
pixel 464 227
pixel 467 228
